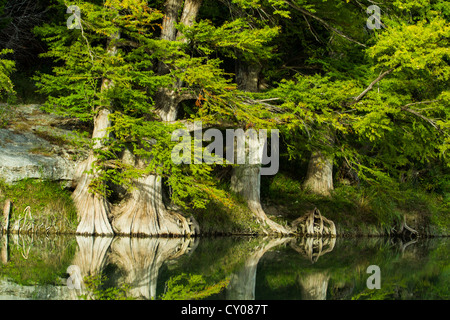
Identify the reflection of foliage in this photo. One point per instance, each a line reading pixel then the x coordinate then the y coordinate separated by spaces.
pixel 34 262
pixel 191 287
pixel 94 291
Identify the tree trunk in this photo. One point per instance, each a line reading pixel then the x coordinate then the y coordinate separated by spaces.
pixel 6 214
pixel 144 212
pixel 139 261
pixel 190 12
pixel 168 30
pixel 246 178
pixel 319 177
pixel 93 209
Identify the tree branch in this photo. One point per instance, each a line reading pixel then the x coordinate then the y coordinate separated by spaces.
pixel 380 77
pixel 340 33
pixel 421 116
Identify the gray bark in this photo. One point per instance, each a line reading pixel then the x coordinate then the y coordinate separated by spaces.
pixel 93 209
pixel 246 178
pixel 319 177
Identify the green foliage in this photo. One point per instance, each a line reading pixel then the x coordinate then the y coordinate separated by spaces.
pixel 6 68
pixel 191 287
pixel 94 291
pixel 50 204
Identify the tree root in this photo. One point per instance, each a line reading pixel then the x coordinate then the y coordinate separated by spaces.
pixel 313 248
pixel 405 231
pixel 314 224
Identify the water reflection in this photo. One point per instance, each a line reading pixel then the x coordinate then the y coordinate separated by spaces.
pixel 224 268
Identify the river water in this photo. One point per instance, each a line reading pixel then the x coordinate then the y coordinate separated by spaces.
pixel 75 267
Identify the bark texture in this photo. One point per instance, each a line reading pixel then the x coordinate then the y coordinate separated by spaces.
pixel 93 208
pixel 246 178
pixel 4 251
pixel 6 214
pixel 319 177
pixel 144 213
pixel 314 224
pixel 90 260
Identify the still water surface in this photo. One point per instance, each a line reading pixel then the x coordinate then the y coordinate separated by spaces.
pixel 222 268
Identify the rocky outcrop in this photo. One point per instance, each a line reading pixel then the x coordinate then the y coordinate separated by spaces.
pixel 34 145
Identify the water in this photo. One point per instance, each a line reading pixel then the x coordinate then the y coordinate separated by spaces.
pixel 222 268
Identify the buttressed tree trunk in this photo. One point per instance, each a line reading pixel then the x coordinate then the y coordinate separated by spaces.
pixel 319 177
pixel 94 209
pixel 246 178
pixel 144 212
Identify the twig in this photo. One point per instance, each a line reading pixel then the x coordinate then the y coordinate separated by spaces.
pixel 340 33
pixel 370 87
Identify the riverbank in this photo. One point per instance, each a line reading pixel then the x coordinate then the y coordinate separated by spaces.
pixel 39 151
pixel 47 207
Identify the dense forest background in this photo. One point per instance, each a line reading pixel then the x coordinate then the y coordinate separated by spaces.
pixel 362 106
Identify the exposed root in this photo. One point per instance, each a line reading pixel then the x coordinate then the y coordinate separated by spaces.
pixel 314 224
pixel 405 231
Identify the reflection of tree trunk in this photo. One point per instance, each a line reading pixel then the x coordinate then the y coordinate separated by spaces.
pixel 4 247
pixel 242 284
pixel 246 178
pixel 319 177
pixel 90 258
pixel 141 258
pixel 314 286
